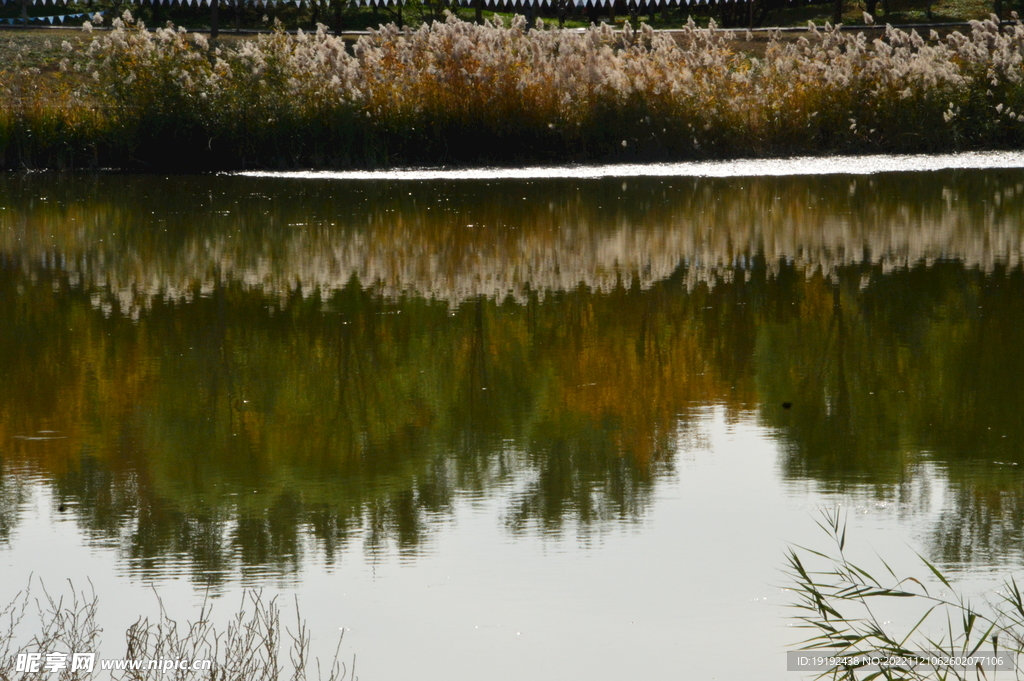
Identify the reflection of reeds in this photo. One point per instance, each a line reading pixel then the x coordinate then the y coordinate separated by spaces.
pixel 564 236
pixel 459 92
pixel 249 649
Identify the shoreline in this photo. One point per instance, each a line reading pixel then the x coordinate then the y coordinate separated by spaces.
pixel 859 164
pixel 740 167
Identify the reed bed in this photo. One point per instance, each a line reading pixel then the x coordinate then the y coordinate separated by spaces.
pixel 459 93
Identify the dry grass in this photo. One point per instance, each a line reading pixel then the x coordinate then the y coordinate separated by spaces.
pixel 457 92
pixel 249 648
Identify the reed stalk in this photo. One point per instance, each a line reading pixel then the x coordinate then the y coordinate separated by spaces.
pixel 844 606
pixel 248 648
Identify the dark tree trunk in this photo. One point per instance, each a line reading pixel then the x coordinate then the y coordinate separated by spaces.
pixel 214 18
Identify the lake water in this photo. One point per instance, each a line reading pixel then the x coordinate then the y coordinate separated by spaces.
pixel 508 427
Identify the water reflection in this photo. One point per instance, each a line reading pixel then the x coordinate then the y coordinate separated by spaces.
pixel 277 367
pixel 133 239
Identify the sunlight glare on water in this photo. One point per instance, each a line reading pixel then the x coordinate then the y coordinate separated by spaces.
pixel 769 167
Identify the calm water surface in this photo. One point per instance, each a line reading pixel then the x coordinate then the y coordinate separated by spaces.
pixel 507 428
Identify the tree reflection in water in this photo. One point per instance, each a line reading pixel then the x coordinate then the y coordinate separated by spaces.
pixel 282 365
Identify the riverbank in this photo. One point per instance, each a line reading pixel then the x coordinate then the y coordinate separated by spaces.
pixel 457 93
